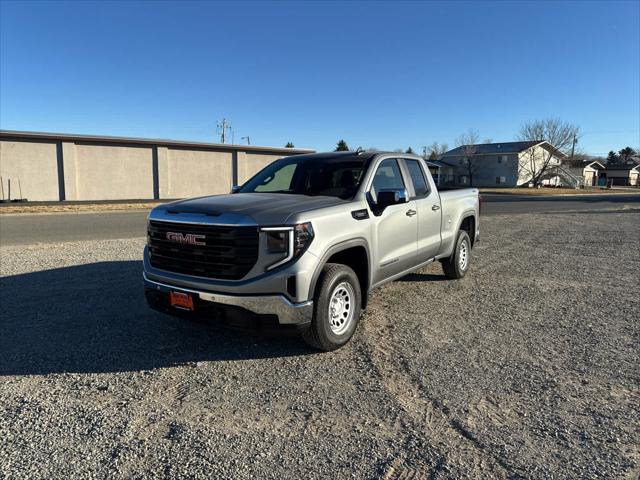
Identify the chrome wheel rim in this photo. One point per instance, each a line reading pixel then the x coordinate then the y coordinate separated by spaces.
pixel 463 255
pixel 341 308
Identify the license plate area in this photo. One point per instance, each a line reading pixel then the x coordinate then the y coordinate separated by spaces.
pixel 181 300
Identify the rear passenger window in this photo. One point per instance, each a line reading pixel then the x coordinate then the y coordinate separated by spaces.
pixel 417 178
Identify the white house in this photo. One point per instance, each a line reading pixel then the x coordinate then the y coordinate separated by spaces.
pixel 591 172
pixel 509 164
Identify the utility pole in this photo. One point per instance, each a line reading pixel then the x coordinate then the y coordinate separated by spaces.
pixel 424 152
pixel 247 139
pixel 223 126
pixel 573 146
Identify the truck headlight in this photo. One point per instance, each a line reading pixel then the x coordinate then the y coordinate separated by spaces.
pixel 288 241
pixel 277 241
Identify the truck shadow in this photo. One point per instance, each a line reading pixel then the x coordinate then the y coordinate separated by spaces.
pixel 94 318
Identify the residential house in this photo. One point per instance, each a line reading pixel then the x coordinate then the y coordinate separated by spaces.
pixel 627 173
pixel 442 172
pixel 591 172
pixel 509 164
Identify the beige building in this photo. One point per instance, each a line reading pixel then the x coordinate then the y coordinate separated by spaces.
pixel 50 166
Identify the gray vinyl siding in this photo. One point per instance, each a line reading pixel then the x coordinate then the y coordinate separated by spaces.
pixel 489 167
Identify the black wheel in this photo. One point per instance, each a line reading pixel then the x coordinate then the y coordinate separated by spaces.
pixel 456 265
pixel 336 308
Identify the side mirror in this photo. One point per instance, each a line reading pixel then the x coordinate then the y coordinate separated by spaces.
pixel 236 188
pixel 391 196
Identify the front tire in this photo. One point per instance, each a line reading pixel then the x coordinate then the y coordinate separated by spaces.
pixel 336 308
pixel 456 265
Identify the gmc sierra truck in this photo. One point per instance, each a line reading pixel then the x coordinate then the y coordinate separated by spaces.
pixel 305 241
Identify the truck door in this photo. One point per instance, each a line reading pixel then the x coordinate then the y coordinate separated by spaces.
pixel 395 234
pixel 427 201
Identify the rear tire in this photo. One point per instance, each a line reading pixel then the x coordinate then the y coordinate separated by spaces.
pixel 456 265
pixel 336 308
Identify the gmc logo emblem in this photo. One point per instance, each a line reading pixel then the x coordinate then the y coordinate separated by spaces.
pixel 186 238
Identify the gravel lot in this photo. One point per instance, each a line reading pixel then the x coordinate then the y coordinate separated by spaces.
pixel 526 368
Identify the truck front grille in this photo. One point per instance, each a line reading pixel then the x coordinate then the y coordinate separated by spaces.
pixel 227 252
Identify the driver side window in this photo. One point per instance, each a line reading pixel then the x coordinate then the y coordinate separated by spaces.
pixel 387 176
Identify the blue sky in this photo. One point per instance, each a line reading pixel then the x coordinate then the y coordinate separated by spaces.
pixel 385 75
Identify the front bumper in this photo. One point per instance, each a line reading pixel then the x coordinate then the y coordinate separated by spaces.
pixel 288 313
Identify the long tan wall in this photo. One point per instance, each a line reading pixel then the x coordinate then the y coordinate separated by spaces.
pixel 113 172
pixel 63 168
pixel 30 167
pixel 197 172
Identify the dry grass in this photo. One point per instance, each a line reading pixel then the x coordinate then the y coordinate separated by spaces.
pixel 557 191
pixel 66 208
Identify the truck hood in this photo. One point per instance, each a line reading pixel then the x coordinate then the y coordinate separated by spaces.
pixel 263 208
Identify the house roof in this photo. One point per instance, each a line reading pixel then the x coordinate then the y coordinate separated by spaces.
pixel 493 148
pixel 623 167
pixel 593 163
pixel 437 163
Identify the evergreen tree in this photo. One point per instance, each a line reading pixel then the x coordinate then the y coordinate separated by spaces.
pixel 612 158
pixel 341 146
pixel 409 150
pixel 626 153
pixel 289 145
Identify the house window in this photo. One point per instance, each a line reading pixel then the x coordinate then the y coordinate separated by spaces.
pixel 502 159
pixel 501 180
pixel 463 179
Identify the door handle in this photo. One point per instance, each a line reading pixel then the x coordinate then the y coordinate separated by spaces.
pixel 411 213
pixel 435 207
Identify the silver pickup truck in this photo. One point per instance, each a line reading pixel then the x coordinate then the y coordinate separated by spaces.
pixel 305 241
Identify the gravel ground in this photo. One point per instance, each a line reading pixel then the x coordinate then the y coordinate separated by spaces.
pixel 528 367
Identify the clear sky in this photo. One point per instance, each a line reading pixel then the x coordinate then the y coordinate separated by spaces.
pixel 384 75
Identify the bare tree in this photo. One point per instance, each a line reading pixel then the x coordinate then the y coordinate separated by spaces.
pixel 434 151
pixel 580 158
pixel 468 143
pixel 535 163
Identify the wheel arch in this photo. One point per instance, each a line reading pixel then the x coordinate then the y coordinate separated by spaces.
pixel 468 223
pixel 353 253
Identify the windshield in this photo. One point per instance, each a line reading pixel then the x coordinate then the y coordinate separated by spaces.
pixel 334 177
